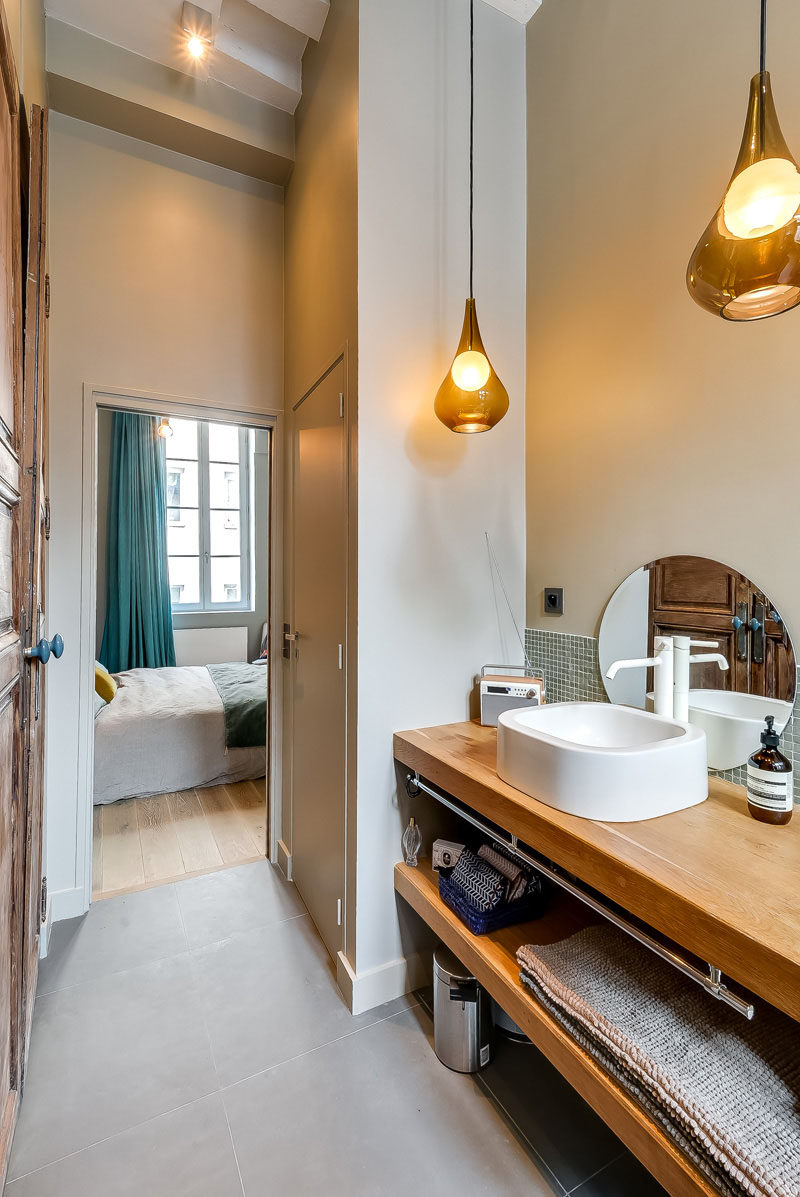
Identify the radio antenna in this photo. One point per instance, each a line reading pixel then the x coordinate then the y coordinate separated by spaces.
pixel 494 568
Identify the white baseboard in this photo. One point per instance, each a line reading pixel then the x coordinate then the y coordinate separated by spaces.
pixel 66 904
pixel 365 991
pixel 284 861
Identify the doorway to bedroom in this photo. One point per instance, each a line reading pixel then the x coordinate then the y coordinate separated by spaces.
pixel 181 641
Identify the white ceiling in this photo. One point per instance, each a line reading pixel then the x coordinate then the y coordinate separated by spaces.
pixel 258 44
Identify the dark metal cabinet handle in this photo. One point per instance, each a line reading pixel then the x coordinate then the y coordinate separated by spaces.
pixel 44 649
pixel 740 624
pixel 756 626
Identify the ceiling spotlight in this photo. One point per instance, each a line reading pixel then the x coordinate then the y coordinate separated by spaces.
pixel 198 27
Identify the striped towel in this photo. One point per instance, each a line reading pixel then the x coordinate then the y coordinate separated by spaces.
pixel 517 877
pixel 482 886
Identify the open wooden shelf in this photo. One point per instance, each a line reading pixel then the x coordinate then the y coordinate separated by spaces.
pixel 710 878
pixel 492 959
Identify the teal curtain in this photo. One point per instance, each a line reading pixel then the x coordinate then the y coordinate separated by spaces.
pixel 138 628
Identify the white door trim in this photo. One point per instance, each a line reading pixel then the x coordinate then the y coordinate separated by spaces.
pixel 154 403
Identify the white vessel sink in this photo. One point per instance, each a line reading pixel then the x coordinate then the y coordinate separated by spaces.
pixel 603 761
pixel 733 723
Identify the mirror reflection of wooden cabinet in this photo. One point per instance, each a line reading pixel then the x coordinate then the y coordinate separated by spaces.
pixel 693 596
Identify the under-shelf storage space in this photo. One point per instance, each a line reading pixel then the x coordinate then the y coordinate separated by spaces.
pixel 492 959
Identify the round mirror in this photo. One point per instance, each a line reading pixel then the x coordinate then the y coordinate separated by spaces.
pixel 741 660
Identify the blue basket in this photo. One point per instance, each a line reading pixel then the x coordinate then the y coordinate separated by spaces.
pixel 481 922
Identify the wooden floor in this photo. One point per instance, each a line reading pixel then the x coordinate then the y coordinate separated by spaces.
pixel 141 842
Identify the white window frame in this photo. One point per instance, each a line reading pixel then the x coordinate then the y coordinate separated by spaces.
pixel 205 605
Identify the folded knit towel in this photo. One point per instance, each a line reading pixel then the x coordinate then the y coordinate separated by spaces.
pixel 730 1088
pixel 482 886
pixel 517 877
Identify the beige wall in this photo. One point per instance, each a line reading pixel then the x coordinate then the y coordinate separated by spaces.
pixel 652 426
pixel 26 26
pixel 167 276
pixel 321 309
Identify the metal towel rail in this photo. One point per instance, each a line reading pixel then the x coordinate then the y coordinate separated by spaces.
pixel 712 981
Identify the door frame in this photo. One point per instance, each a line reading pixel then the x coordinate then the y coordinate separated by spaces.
pixel 155 403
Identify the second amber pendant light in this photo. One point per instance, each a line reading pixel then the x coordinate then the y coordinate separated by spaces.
pixel 747 263
pixel 471 398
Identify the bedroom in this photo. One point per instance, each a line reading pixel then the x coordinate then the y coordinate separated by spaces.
pixel 182 647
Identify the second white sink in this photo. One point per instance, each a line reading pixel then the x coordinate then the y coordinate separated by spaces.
pixel 733 723
pixel 603 761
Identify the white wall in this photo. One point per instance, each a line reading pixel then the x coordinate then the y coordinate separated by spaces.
pixel 167 276
pixel 427 618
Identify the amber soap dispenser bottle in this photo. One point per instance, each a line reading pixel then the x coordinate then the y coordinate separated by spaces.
pixel 770 793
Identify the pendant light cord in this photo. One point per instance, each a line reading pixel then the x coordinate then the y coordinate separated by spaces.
pixel 763 59
pixel 472 136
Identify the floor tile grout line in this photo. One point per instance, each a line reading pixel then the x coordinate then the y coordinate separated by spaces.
pixel 219 1091
pixel 576 1188
pixel 319 1047
pixel 511 1120
pixel 187 951
pixel 233 1144
pixel 107 1138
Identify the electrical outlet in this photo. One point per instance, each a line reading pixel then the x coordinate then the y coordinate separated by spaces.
pixel 554 600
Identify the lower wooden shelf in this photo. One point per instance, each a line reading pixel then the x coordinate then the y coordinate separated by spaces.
pixel 492 959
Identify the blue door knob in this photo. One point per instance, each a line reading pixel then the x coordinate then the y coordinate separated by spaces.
pixel 44 648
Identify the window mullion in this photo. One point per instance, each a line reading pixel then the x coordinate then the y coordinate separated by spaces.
pixel 204 521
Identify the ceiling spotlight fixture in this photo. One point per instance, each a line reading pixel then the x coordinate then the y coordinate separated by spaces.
pixel 747 263
pixel 472 398
pixel 164 429
pixel 198 27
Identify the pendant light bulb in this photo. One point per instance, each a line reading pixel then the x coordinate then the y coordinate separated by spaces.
pixel 746 265
pixel 164 429
pixel 763 198
pixel 470 370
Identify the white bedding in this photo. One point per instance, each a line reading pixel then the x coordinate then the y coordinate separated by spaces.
pixel 165 731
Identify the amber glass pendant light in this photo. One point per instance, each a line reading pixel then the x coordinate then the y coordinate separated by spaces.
pixel 747 263
pixel 472 398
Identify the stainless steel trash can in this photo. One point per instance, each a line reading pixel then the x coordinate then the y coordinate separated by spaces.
pixel 462 1015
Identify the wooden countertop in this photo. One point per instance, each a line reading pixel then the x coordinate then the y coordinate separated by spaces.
pixel 712 878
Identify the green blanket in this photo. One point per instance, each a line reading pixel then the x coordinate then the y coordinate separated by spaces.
pixel 243 690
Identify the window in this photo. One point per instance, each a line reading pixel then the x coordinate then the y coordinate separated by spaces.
pixel 208 533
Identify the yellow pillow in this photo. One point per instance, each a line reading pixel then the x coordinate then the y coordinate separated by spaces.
pixel 104 683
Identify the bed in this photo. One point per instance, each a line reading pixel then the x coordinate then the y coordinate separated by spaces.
pixel 168 729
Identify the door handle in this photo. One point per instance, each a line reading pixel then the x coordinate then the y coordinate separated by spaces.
pixel 756 626
pixel 43 650
pixel 739 622
pixel 289 637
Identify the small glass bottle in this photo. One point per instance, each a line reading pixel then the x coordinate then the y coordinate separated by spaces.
pixel 412 842
pixel 770 794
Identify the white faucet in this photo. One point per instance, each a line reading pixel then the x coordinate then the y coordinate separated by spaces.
pixel 663 673
pixel 683 658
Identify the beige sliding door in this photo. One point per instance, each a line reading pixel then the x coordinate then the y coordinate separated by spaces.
pixel 317 655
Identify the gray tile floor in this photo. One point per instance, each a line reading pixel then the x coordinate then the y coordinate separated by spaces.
pixel 189 1041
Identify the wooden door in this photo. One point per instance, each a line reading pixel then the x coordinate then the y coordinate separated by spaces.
pixel 34 545
pixel 13 582
pixel 693 596
pixel 319 721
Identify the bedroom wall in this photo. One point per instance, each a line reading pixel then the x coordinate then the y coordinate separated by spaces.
pixel 252 620
pixel 167 276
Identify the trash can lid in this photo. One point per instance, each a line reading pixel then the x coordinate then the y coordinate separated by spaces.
pixel 444 961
